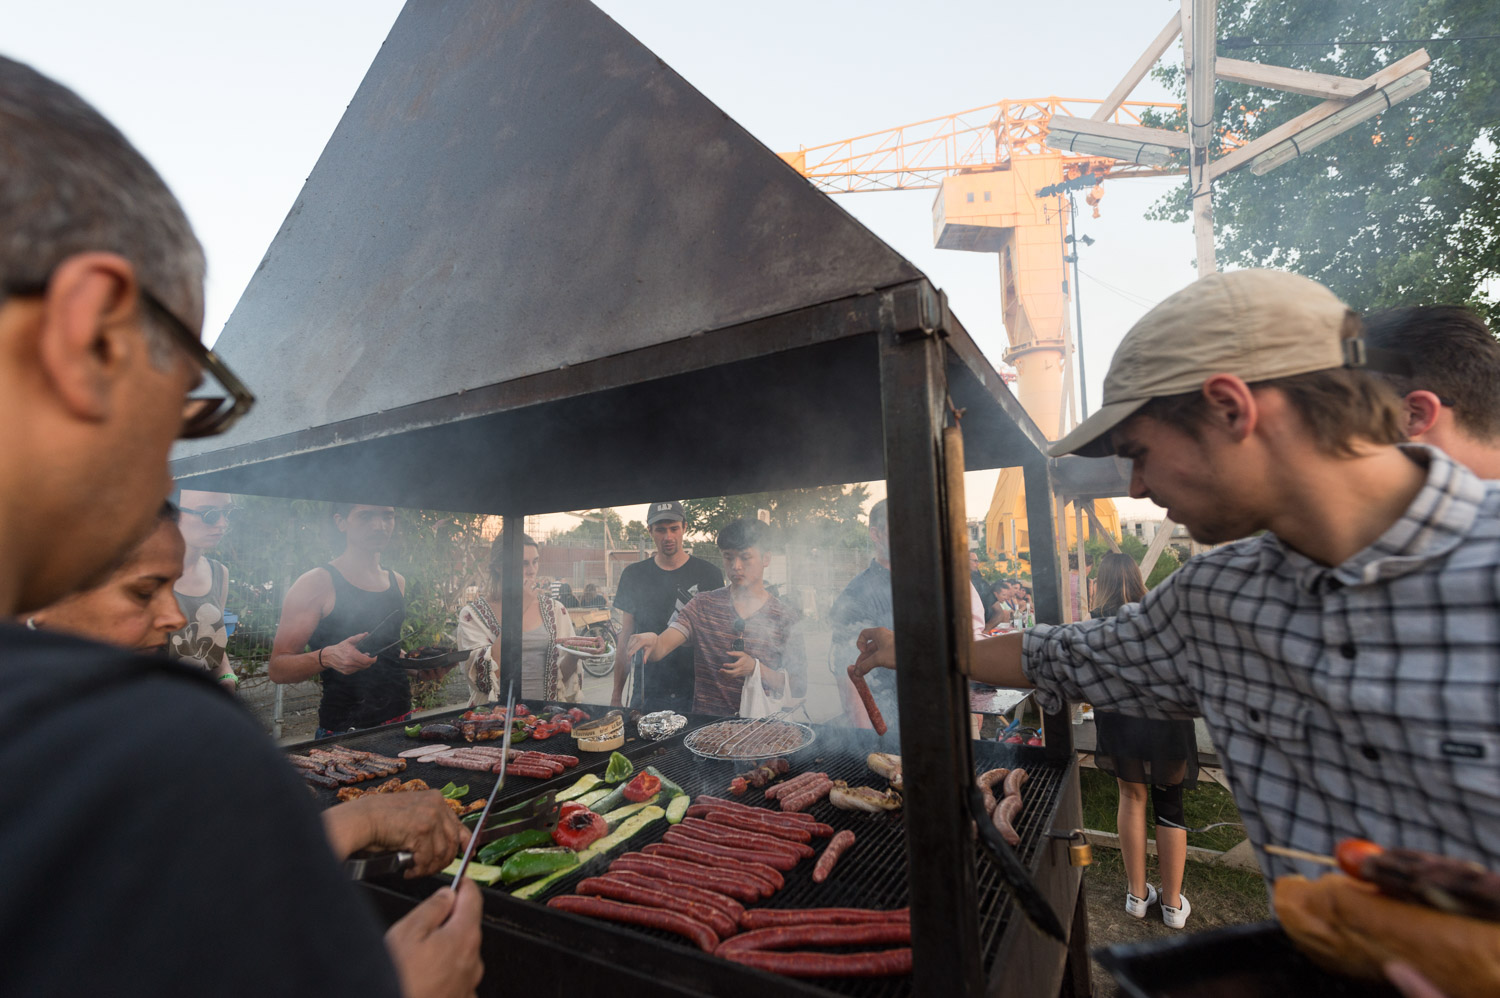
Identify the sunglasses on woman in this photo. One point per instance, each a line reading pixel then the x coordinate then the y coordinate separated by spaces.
pixel 213 516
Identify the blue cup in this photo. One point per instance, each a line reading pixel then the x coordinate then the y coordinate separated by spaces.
pixel 231 620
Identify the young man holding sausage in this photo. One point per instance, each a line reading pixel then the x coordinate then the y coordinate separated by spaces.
pixel 736 632
pixel 129 774
pixel 1346 659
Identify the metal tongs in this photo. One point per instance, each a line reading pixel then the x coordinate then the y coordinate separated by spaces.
pixel 539 812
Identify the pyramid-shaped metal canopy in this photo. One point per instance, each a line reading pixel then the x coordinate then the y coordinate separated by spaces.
pixel 516 188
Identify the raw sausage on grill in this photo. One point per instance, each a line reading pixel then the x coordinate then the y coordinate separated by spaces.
pixel 883 963
pixel 634 914
pixel 748 867
pixel 764 918
pixel 713 899
pixel 792 936
pixel 831 853
pixel 618 890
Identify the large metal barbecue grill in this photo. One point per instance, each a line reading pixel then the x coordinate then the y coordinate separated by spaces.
pixel 529 237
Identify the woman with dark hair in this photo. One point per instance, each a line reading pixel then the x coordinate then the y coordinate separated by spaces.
pixel 1146 757
pixel 546 673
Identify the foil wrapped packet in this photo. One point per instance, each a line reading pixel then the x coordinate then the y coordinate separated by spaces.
pixel 660 724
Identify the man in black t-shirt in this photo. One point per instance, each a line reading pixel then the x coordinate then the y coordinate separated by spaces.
pixel 648 594
pixel 146 811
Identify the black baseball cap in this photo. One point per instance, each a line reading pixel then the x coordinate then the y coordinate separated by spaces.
pixel 663 511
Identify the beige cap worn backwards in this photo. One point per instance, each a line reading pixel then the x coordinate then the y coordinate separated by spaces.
pixel 1255 324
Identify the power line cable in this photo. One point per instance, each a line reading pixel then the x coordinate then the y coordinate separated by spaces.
pixel 1245 42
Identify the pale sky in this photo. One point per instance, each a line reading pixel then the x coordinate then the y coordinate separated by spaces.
pixel 234 102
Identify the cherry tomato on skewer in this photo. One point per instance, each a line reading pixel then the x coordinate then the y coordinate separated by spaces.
pixel 1352 853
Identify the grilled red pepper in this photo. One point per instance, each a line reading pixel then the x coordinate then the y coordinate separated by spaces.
pixel 643 787
pixel 578 827
pixel 544 729
pixel 563 724
pixel 578 716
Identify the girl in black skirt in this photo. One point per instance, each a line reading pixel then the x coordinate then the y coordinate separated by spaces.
pixel 1159 758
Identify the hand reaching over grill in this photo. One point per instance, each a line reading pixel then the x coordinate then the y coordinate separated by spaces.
pixel 877 650
pixel 641 641
pixel 419 823
pixel 436 946
pixel 344 657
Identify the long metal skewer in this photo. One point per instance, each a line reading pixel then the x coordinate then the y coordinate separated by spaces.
pixel 510 706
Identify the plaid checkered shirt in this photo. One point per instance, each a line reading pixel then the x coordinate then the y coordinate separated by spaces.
pixel 1359 700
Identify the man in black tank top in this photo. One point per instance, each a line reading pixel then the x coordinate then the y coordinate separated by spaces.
pixel 330 609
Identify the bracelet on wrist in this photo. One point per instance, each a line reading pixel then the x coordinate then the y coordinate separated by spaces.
pixel 231 677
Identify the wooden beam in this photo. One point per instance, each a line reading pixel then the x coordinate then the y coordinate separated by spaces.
pixel 1138 72
pixel 1139 134
pixel 1088 506
pixel 1245 153
pixel 1294 81
pixel 1158 545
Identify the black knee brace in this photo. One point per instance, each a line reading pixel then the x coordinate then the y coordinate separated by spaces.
pixel 1168 804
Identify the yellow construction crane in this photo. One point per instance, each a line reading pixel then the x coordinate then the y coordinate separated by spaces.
pixel 989 164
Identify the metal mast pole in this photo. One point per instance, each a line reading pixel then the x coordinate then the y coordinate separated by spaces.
pixel 1083 383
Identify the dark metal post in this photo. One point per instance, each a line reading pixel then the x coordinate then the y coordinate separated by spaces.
pixel 931 694
pixel 1048 584
pixel 511 586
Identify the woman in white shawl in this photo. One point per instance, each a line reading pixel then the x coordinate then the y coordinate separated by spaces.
pixel 547 673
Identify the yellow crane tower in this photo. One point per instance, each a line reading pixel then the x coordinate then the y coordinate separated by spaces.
pixel 988 165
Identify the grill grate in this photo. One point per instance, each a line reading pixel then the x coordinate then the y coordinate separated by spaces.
pixel 872 874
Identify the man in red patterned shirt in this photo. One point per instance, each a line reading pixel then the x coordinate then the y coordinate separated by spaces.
pixel 736 631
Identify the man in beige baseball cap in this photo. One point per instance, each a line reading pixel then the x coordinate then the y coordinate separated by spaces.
pixel 1345 657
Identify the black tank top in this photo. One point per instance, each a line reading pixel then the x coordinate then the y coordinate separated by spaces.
pixel 370 696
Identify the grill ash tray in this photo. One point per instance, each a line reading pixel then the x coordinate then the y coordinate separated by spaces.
pixel 1241 961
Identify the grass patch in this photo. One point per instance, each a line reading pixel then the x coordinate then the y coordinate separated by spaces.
pixel 1207 804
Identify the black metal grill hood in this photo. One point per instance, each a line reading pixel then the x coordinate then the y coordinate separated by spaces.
pixel 523 246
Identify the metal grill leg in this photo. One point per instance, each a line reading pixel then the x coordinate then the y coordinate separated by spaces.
pixel 930 692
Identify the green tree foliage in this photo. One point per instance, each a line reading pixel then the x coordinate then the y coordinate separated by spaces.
pixel 1401 209
pixel 590 533
pixel 826 516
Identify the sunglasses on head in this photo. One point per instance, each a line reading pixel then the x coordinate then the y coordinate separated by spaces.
pixel 203 415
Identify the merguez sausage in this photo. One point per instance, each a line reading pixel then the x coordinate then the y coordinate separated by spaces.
pixel 868 699
pixel 691 874
pixel 617 890
pixel 739 838
pixel 721 803
pixel 749 867
pixel 883 963
pixel 831 853
pixel 804 798
pixel 635 914
pixel 695 837
pixel 713 899
pixel 776 790
pixel 795 936
pixel 764 918
pixel 774 860
pixel 748 823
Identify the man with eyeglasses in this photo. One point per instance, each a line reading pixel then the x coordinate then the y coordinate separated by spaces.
pixel 203 588
pixel 736 632
pixel 147 806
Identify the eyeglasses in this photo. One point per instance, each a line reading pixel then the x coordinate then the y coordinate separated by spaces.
pixel 202 415
pixel 213 516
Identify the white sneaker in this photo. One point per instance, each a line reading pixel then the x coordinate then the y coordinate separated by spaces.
pixel 1176 918
pixel 1135 906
